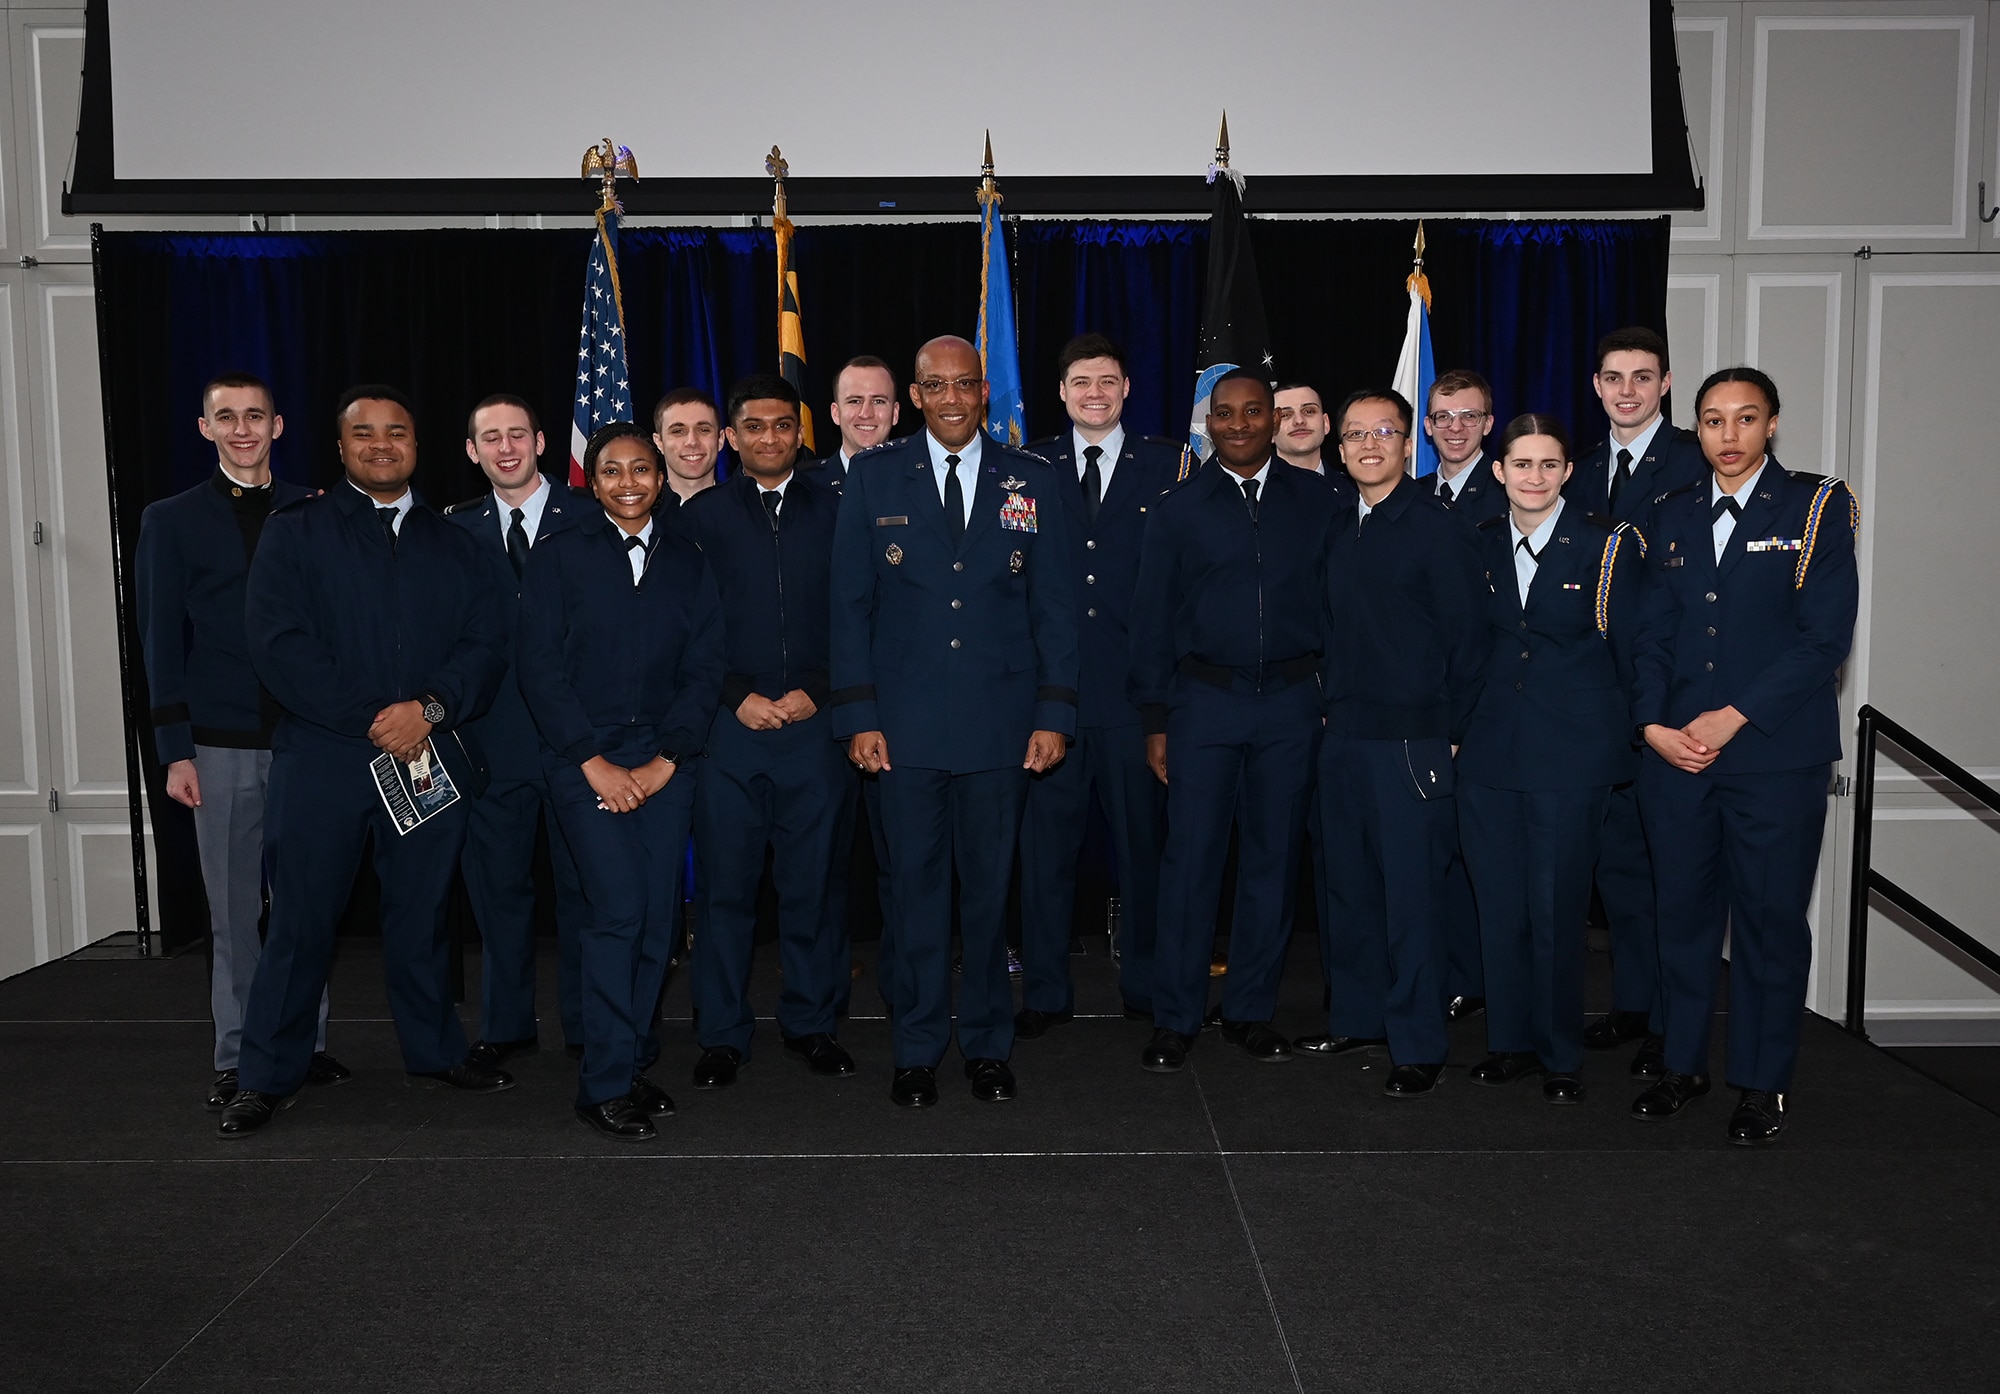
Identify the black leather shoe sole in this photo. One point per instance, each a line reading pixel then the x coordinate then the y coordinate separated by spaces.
pixel 633 1127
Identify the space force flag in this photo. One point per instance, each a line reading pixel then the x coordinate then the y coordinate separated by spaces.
pixel 999 354
pixel 1416 368
pixel 1234 332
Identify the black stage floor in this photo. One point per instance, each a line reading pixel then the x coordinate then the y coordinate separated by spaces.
pixel 1237 1227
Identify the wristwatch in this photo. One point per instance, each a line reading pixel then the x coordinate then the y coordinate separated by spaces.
pixel 672 757
pixel 433 709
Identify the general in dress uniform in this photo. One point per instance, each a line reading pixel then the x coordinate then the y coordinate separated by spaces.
pixel 619 652
pixel 954 675
pixel 1747 624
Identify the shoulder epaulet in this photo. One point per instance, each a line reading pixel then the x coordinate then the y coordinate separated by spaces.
pixel 876 448
pixel 1170 441
pixel 472 502
pixel 1495 521
pixel 1692 484
pixel 301 501
pixel 1816 514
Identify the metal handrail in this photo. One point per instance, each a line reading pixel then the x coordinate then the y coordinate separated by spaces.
pixel 1867 879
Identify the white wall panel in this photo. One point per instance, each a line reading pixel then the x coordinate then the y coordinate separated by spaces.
pixel 1700 313
pixel 99 899
pixel 52 49
pixel 24 905
pixel 1795 327
pixel 20 588
pixel 1704 36
pixel 1862 125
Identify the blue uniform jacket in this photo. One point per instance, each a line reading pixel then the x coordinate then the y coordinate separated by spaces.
pixel 341 627
pixel 1673 458
pixel 1555 711
pixel 505 736
pixel 191 571
pixel 1104 564
pixel 773 583
pixel 1220 591
pixel 1765 631
pixel 1483 496
pixel 956 653
pixel 1403 620
pixel 609 668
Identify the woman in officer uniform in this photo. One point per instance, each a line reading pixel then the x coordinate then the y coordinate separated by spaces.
pixel 1551 734
pixel 621 663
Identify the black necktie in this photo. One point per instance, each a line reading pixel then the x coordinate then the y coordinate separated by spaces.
pixel 1620 475
pixel 772 498
pixel 954 499
pixel 1250 497
pixel 388 517
pixel 517 542
pixel 1093 481
pixel 1444 492
pixel 1723 505
pixel 1533 556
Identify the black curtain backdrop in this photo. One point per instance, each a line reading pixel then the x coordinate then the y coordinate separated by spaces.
pixel 452 315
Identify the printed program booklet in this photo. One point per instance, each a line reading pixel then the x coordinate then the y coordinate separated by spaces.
pixel 414 791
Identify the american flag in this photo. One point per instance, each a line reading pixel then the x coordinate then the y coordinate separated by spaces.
pixel 603 386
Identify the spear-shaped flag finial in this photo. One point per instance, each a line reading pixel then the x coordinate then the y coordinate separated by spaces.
pixel 1222 144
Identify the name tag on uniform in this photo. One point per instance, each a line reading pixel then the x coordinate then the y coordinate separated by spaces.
pixel 1018 514
pixel 894 520
pixel 1675 561
pixel 1776 544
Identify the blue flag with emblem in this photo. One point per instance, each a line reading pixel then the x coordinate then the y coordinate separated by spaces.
pixel 603 386
pixel 999 354
pixel 1416 366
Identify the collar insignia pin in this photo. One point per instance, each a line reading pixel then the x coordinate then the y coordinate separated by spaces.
pixel 894 555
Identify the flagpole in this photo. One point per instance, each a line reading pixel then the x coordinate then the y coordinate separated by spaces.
pixel 791 326
pixel 989 204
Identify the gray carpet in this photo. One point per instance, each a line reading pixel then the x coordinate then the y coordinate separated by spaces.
pixel 1237 1227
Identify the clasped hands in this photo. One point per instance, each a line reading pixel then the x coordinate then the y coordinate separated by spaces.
pixel 760 713
pixel 869 751
pixel 620 790
pixel 400 729
pixel 1693 747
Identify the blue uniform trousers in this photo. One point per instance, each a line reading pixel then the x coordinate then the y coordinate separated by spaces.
pixel 936 822
pixel 1382 932
pixel 1235 755
pixel 1744 849
pixel 500 882
pixel 1625 881
pixel 632 867
pixel 863 793
pixel 784 788
pixel 1464 966
pixel 1530 855
pixel 322 807
pixel 1113 759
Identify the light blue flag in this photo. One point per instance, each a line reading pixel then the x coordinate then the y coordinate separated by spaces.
pixel 999 355
pixel 1416 368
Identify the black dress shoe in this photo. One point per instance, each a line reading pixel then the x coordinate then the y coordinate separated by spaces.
pixel 1411 1081
pixel 1613 1029
pixel 1670 1095
pixel 494 1054
pixel 1759 1118
pixel 471 1076
pixel 1506 1066
pixel 1031 1022
pixel 619 1119
pixel 1337 1045
pixel 249 1111
pixel 1133 1013
pixel 1258 1040
pixel 992 1081
pixel 915 1087
pixel 717 1067
pixel 1460 1008
pixel 822 1054
pixel 1166 1052
pixel 1563 1089
pixel 1213 1019
pixel 221 1090
pixel 324 1069
pixel 650 1098
pixel 1651 1060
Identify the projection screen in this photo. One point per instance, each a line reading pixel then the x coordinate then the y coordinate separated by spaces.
pixel 451 105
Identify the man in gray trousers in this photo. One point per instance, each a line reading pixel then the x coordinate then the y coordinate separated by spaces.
pixel 212 720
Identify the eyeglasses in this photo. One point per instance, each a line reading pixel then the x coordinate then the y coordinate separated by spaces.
pixel 936 387
pixel 1381 433
pixel 1468 416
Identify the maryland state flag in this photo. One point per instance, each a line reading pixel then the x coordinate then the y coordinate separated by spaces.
pixel 791 333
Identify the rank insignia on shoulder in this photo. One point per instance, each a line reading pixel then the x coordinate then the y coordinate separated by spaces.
pixel 1010 483
pixel 1015 563
pixel 1018 513
pixel 893 555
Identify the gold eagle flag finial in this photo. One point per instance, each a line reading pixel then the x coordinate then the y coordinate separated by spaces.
pixel 608 164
